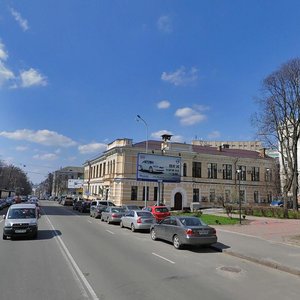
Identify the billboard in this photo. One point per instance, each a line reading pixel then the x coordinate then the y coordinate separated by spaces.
pixel 151 167
pixel 75 183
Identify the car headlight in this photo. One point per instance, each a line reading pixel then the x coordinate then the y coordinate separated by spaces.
pixel 33 224
pixel 8 225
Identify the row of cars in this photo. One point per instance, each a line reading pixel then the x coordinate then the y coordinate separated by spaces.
pixel 180 230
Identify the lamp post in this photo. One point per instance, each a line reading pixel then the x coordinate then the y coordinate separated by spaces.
pixel 240 201
pixel 139 118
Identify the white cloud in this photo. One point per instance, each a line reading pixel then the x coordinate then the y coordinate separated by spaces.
pixel 163 104
pixel 3 53
pixel 21 21
pixel 32 78
pixel 21 148
pixel 46 156
pixel 26 78
pixel 214 134
pixel 175 138
pixel 43 137
pixel 164 24
pixel 189 116
pixel 181 77
pixel 5 74
pixel 92 148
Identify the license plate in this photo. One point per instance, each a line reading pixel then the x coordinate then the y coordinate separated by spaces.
pixel 20 231
pixel 203 232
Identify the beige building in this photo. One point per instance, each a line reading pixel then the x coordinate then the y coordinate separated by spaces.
pixel 208 174
pixel 243 145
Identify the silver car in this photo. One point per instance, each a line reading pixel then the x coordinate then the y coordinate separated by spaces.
pixel 137 220
pixel 21 220
pixel 184 230
pixel 112 214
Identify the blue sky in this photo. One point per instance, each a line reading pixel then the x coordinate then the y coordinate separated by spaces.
pixel 75 73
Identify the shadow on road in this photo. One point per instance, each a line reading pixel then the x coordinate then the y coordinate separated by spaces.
pixel 42 235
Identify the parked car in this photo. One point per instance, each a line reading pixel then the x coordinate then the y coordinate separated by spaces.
pixel 159 212
pixel 150 166
pixel 67 201
pixel 2 203
pixel 137 220
pixel 183 230
pixel 21 220
pixel 98 206
pixel 276 203
pixel 84 207
pixel 77 204
pixel 113 214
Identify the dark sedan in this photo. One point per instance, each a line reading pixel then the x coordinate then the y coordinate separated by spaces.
pixel 184 230
pixel 84 207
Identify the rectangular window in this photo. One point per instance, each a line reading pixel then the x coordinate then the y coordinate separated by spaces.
pixel 227 171
pixel 212 195
pixel 212 171
pixel 256 200
pixel 255 174
pixel 155 190
pixel 268 175
pixel 134 192
pixel 242 174
pixel 147 193
pixel 196 195
pixel 242 195
pixel 196 169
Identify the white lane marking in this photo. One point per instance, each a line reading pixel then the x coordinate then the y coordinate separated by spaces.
pixel 90 222
pixel 1 220
pixel 110 231
pixel 83 283
pixel 168 260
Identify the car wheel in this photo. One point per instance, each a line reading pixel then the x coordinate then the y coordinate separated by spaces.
pixel 153 235
pixel 133 228
pixel 121 224
pixel 4 237
pixel 176 242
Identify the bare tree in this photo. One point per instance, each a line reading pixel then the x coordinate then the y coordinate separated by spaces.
pixel 278 122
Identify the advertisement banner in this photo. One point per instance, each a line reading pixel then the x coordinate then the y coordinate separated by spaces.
pixel 151 167
pixel 75 183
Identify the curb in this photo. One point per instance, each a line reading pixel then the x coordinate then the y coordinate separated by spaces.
pixel 260 261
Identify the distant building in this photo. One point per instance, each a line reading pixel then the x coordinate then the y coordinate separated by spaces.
pixel 243 145
pixel 207 174
pixel 61 178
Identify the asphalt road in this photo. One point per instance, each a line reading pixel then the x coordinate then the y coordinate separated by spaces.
pixel 78 257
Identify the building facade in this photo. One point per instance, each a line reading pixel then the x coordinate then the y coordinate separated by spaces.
pixel 208 174
pixel 243 145
pixel 61 178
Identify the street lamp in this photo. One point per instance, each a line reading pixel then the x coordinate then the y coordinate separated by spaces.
pixel 240 201
pixel 139 118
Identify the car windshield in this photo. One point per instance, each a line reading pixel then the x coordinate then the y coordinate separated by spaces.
pixel 161 209
pixel 21 213
pixel 191 222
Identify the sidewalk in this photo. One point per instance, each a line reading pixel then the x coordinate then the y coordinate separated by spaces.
pixel 272 242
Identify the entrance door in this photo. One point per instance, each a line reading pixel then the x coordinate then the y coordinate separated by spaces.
pixel 178 201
